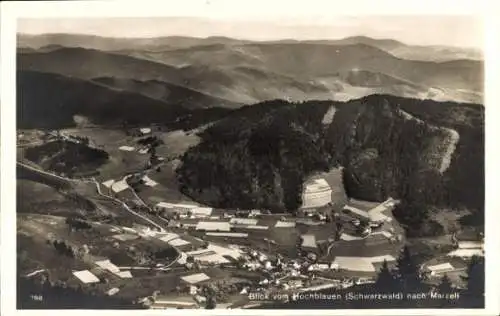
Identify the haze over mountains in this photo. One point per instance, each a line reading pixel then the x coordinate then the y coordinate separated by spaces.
pixel 225 72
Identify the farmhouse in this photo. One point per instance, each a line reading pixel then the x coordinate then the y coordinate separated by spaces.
pixel 178 303
pixel 470 245
pixel 466 253
pixel 241 235
pixel 211 259
pixel 309 241
pixel 178 242
pixel 181 208
pixel 283 224
pixel 201 212
pixel 243 221
pixel 363 264
pixel 440 268
pixel 86 276
pixel 119 186
pixel 353 264
pixel 149 182
pixel 213 226
pixel 124 274
pixel 317 193
pixel 374 215
pixel 166 237
pixel 258 227
pixel 126 148
pixel 107 265
pixel 195 278
pixel 467 249
pixel 145 130
pixel 108 183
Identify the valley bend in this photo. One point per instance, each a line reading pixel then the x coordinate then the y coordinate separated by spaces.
pixel 250 164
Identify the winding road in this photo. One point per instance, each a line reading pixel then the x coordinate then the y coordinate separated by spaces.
pixel 181 255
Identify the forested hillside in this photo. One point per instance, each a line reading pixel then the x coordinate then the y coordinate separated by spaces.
pixel 259 156
pixel 46 100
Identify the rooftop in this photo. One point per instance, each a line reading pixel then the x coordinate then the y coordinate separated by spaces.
pixel 149 182
pixel 124 274
pixel 195 278
pixel 108 183
pixel 178 242
pixel 364 264
pixel 244 221
pixel 126 148
pixel 244 235
pixel 470 245
pixel 107 265
pixel 309 241
pixel 317 185
pixel 216 226
pixel 282 224
pixel 86 276
pixel 466 253
pixel 172 205
pixel 441 267
pixel 202 211
pixel 167 236
pixel 119 185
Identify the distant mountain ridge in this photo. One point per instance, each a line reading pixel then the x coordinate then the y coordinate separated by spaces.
pixel 166 92
pixel 253 72
pixel 159 44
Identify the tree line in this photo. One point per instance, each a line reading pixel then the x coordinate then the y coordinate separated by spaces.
pixel 259 156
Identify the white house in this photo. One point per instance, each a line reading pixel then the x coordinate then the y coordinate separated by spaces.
pixel 316 193
pixel 309 241
pixel 213 226
pixel 440 268
pixel 145 130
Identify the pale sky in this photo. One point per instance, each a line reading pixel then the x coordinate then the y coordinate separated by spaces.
pixel 463 31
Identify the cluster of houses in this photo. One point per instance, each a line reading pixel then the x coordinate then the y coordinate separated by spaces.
pixel 456 260
pixel 98 274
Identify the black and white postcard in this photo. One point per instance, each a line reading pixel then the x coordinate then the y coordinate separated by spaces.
pixel 205 160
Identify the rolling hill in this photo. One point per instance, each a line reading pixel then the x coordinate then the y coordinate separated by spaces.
pixel 116 44
pixel 238 85
pixel 255 72
pixel 312 60
pixel 89 63
pixel 169 93
pixel 161 44
pixel 411 52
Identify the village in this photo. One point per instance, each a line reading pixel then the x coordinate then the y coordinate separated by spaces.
pixel 233 258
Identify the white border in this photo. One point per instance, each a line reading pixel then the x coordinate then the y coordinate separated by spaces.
pixel 254 10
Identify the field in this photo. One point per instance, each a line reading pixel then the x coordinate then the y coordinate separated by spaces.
pixel 34 197
pixel 121 162
pixel 48 195
pixel 110 140
pixel 177 142
pixel 165 191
